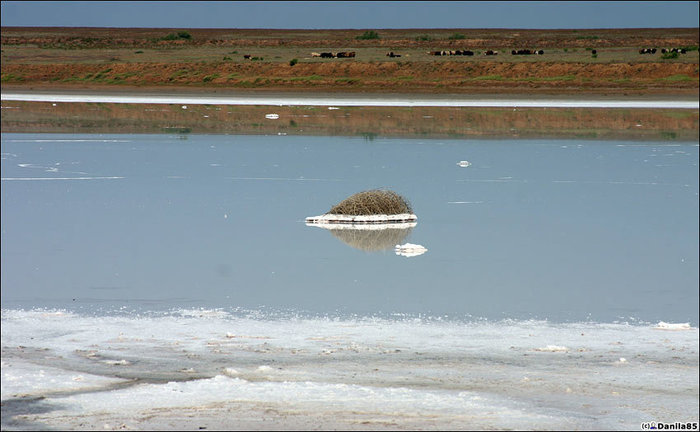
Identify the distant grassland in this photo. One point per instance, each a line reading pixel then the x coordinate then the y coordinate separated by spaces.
pixel 282 59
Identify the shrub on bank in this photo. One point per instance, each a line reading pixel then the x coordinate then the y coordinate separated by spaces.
pixel 371 34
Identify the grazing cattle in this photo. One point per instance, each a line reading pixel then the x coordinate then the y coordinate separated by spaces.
pixel 647 51
pixel 452 52
pixel 491 52
pixel 346 54
pixel 524 52
pixel 391 54
pixel 594 52
pixel 539 52
pixel 674 50
pixel 327 55
pixel 315 54
pixel 246 56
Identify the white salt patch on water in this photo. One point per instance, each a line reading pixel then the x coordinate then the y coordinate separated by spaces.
pixel 58 178
pixel 464 164
pixel 69 140
pixel 329 218
pixel 282 179
pixel 363 226
pixel 24 379
pixel 553 348
pixel 410 250
pixel 672 326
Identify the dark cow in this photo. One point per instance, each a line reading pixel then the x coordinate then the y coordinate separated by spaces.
pixel 594 52
pixel 246 56
pixel 468 53
pixel 539 52
pixel 491 52
pixel 392 54
pixel 521 52
pixel 346 54
pixel 647 51
pixel 327 55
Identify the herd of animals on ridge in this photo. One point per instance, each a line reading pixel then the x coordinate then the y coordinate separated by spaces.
pixel 351 54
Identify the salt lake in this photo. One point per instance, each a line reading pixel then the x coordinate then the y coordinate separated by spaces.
pixel 558 289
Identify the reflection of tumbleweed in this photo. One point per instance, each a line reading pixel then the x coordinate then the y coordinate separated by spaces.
pixel 382 237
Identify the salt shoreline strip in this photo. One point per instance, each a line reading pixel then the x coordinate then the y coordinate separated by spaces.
pixel 363 226
pixel 354 101
pixel 361 219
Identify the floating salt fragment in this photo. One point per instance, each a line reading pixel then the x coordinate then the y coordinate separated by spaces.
pixel 272 116
pixel 464 164
pixel 672 326
pixel 552 348
pixel 410 250
pixel 622 360
pixel 117 362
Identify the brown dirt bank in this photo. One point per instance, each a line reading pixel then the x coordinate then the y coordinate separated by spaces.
pixel 444 77
pixel 369 122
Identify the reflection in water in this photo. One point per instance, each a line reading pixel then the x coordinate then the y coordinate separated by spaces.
pixel 368 122
pixel 369 238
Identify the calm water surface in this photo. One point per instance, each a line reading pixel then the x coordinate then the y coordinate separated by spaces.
pixel 552 229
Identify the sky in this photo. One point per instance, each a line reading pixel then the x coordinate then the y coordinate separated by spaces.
pixel 351 14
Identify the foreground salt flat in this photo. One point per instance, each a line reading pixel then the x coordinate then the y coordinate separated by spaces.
pixel 222 370
pixel 330 101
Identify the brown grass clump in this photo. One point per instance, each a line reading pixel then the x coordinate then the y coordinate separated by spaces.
pixel 373 202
